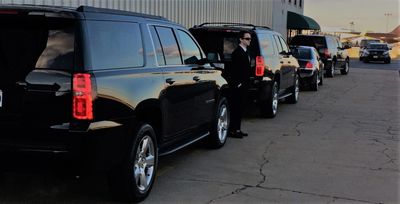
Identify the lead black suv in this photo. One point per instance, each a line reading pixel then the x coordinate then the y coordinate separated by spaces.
pixel 330 49
pixel 105 89
pixel 274 69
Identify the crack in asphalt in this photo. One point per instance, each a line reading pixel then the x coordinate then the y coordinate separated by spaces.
pixel 260 170
pixel 319 195
pixel 297 130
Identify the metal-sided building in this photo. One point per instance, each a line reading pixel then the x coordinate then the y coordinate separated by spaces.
pixel 271 13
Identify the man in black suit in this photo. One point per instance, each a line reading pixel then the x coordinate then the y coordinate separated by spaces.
pixel 239 83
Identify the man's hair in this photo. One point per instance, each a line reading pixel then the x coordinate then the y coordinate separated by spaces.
pixel 241 34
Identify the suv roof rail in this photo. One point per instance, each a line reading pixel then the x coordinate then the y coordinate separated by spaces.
pixel 117 12
pixel 227 24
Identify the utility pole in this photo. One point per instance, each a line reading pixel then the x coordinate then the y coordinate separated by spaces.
pixel 387 20
pixel 352 26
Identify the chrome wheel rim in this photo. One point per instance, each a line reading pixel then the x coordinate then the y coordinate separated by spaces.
pixel 144 163
pixel 275 101
pixel 223 123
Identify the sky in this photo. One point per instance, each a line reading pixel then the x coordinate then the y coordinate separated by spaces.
pixel 367 15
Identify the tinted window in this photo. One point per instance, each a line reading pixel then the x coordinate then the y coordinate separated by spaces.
pixel 301 53
pixel 190 52
pixel 115 44
pixel 157 46
pixel 266 44
pixel 169 46
pixel 278 44
pixel 229 45
pixel 42 43
pixel 284 45
pixel 313 41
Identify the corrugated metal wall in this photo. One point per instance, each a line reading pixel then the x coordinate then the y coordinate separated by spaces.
pixel 185 12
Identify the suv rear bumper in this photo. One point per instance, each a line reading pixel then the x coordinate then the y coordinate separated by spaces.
pixel 93 150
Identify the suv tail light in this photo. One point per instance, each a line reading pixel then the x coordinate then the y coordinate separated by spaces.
pixel 309 65
pixel 260 66
pixel 327 54
pixel 82 97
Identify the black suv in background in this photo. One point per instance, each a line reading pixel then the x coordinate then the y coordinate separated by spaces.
pixel 376 52
pixel 330 49
pixel 273 66
pixel 110 90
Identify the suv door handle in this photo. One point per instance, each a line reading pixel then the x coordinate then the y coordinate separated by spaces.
pixel 170 81
pixel 196 78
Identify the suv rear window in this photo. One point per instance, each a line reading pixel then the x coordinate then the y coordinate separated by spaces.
pixel 115 44
pixel 35 42
pixel 313 41
pixel 301 53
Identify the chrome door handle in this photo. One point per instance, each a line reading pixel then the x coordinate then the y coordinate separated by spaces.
pixel 170 81
pixel 196 78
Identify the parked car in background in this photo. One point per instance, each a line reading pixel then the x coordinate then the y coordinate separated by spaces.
pixel 376 52
pixel 106 90
pixel 364 43
pixel 330 49
pixel 311 66
pixel 274 69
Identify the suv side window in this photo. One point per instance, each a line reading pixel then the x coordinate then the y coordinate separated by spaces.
pixel 332 44
pixel 115 44
pixel 266 44
pixel 284 45
pixel 278 44
pixel 169 46
pixel 157 46
pixel 190 51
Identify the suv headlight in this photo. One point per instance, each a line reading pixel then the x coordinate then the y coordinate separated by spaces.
pixel 386 53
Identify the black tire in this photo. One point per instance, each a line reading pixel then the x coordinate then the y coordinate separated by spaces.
pixel 221 123
pixel 269 106
pixel 387 61
pixel 314 82
pixel 346 68
pixel 321 79
pixel 365 60
pixel 133 180
pixel 294 97
pixel 331 71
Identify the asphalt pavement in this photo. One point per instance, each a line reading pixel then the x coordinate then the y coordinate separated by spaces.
pixel 337 145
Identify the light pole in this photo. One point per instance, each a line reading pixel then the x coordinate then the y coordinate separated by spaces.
pixel 387 20
pixel 352 26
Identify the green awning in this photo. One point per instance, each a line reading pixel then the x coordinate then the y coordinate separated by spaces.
pixel 297 21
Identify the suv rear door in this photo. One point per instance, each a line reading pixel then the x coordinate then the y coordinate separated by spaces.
pixel 36 61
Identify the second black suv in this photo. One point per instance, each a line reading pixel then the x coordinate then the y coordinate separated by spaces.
pixel 105 89
pixel 376 52
pixel 274 69
pixel 330 49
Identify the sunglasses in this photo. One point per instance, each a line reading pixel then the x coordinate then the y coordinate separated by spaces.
pixel 246 38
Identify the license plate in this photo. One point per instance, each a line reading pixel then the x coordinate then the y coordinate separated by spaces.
pixel 1 99
pixel 375 56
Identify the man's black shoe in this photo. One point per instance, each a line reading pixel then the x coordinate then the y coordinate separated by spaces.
pixel 243 134
pixel 235 135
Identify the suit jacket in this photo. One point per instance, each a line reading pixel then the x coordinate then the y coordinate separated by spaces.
pixel 240 70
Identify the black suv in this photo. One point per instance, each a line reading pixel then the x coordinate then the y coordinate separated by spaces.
pixel 273 66
pixel 330 49
pixel 110 90
pixel 376 52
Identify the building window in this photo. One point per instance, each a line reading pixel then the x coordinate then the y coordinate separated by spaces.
pixel 300 3
pixel 295 2
pixel 290 1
